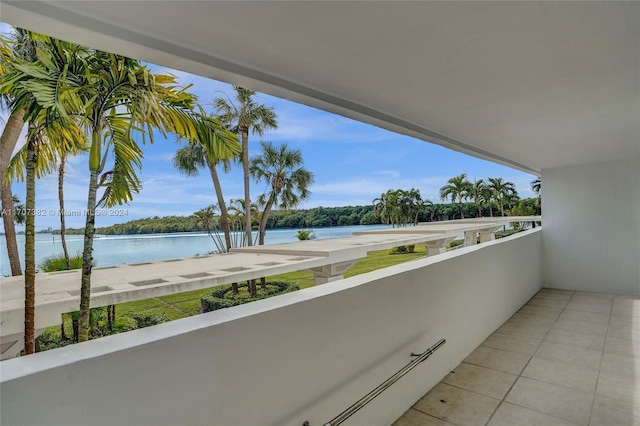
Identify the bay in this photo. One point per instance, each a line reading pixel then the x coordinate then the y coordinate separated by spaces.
pixel 112 250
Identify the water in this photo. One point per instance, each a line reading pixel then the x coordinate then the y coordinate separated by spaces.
pixel 119 249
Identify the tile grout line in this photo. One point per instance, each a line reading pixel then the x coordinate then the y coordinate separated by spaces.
pixel 593 402
pixel 502 401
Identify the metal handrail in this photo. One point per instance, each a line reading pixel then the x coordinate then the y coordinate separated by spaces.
pixel 382 387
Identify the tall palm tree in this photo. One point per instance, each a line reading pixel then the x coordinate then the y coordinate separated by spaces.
pixel 48 122
pixel 411 205
pixel 388 207
pixel 476 194
pixel 458 189
pixel 19 45
pixel 127 98
pixel 502 190
pixel 488 196
pixel 243 117
pixel 280 167
pixel 193 156
pixel 429 207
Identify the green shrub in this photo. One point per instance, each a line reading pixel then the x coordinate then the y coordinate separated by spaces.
pixel 57 262
pixel 411 248
pixel 456 243
pixel 51 339
pixel 399 250
pixel 223 297
pixel 123 324
pixel 502 234
pixel 306 234
pixel 147 320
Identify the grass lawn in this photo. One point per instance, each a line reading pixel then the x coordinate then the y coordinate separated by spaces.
pixel 182 305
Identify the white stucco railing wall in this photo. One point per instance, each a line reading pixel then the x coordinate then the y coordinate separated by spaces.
pixel 302 356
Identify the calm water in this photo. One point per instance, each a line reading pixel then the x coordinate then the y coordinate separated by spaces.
pixel 119 249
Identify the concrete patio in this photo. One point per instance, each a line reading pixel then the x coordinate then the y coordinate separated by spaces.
pixel 565 358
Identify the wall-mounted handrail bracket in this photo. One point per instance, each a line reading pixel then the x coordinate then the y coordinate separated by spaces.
pixel 383 386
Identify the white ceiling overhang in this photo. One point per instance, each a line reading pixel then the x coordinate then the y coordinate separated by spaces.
pixel 532 85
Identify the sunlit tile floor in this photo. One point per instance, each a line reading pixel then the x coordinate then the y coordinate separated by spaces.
pixel 565 358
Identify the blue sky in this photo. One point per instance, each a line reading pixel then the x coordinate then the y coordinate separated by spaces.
pixel 353 163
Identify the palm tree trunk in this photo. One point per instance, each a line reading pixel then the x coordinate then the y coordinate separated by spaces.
pixel 461 212
pixel 63 333
pixel 247 197
pixel 224 213
pixel 29 250
pixel 263 221
pixel 262 231
pixel 8 142
pixel 87 259
pixel 63 237
pixel 8 218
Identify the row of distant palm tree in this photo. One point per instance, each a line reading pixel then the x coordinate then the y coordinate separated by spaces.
pixel 400 207
pixel 74 98
pixel 481 192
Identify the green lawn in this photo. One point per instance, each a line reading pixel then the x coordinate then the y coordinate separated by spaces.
pixel 181 305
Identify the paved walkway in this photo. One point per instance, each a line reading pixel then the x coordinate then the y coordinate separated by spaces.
pixel 565 358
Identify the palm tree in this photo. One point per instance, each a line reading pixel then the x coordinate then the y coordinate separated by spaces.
pixel 25 83
pixel 536 186
pixel 458 189
pixel 411 204
pixel 388 208
pixel 238 219
pixel 193 156
pixel 476 194
pixel 125 97
pixel 23 47
pixel 239 216
pixel 206 218
pixel 429 207
pixel 502 190
pixel 287 181
pixel 244 116
pixel 511 199
pixel 488 196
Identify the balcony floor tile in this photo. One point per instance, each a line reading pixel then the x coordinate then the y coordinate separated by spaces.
pixel 418 418
pixel 458 406
pixel 482 380
pixel 508 342
pixel 547 365
pixel 498 359
pixel 510 415
pixel 563 374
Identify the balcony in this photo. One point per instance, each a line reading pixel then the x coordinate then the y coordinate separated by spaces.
pixel 565 358
pixel 562 102
pixel 515 354
pixel 303 356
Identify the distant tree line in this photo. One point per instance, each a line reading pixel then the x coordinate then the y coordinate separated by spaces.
pixel 317 217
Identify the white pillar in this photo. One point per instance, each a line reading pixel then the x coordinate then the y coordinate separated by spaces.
pixel 470 238
pixel 437 246
pixel 327 273
pixel 488 234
